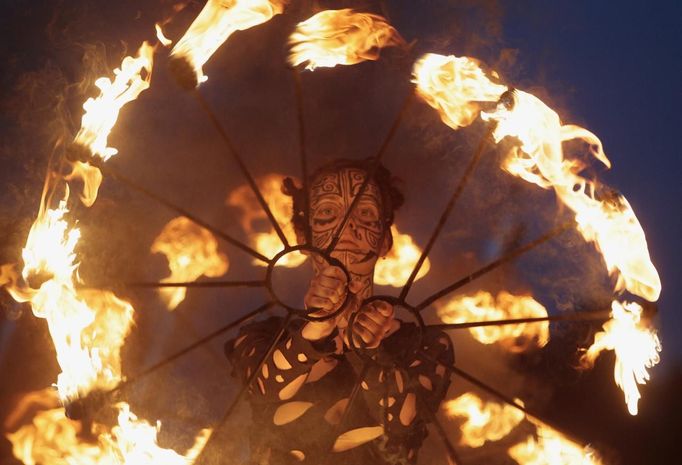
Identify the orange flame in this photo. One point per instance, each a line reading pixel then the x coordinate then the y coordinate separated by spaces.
pixel 192 251
pixel 482 306
pixel 161 37
pixel 101 113
pixel 483 421
pixel 218 20
pixel 609 223
pixel 395 268
pixel 635 344
pixel 87 326
pixel 455 87
pixel 253 216
pixel 53 439
pixel 549 447
pixel 341 37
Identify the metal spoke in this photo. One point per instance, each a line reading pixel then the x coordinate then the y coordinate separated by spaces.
pixel 371 172
pixel 444 216
pixel 493 265
pixel 576 317
pixel 351 399
pixel 143 190
pixel 298 88
pixel 453 369
pixel 283 328
pixel 193 346
pixel 242 166
pixel 454 456
pixel 196 284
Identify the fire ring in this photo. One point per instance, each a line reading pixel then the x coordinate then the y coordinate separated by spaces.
pixel 371 355
pixel 303 312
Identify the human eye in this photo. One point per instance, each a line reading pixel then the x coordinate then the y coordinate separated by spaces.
pixel 324 214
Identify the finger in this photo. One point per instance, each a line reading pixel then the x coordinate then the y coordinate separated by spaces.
pixel 319 302
pixel 325 292
pixel 331 283
pixel 366 322
pixel 376 317
pixel 384 308
pixel 364 334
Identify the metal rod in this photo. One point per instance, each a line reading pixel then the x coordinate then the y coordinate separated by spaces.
pixel 577 317
pixel 192 346
pixel 372 171
pixel 353 395
pixel 452 452
pixel 494 264
pixel 143 190
pixel 145 284
pixel 242 166
pixel 446 213
pixel 298 89
pixel 188 326
pixel 219 424
pixel 453 369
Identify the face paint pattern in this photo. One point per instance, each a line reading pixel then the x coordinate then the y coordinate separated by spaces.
pixel 360 242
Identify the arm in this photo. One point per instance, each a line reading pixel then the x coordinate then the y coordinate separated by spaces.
pixel 283 373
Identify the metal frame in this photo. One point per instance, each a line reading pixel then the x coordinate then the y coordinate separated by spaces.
pixel 307 314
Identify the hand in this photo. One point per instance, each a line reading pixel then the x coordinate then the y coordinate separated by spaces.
pixel 372 323
pixel 327 292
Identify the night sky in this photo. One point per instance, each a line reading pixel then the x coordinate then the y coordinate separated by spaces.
pixel 614 68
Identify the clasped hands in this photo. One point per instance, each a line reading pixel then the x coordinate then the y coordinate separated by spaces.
pixel 327 292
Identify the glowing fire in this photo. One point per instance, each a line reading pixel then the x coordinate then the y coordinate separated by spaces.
pixel 101 113
pixel 54 439
pixel 218 20
pixel 482 306
pixel 87 326
pixel 483 421
pixel 609 222
pixel 455 86
pixel 395 268
pixel 192 251
pixel 549 447
pixel 161 37
pixel 254 218
pixel 340 37
pixel 636 346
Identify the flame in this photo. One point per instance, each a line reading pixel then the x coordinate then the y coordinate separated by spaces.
pixel 484 421
pixel 395 268
pixel 87 326
pixel 482 306
pixel 101 113
pixel 455 86
pixel 161 37
pixel 609 222
pixel 549 447
pixel 341 37
pixel 218 20
pixel 53 439
pixel 252 216
pixel 192 251
pixel 636 346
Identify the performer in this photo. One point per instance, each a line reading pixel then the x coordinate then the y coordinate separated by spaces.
pixel 300 396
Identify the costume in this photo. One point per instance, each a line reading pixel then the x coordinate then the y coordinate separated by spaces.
pixel 299 397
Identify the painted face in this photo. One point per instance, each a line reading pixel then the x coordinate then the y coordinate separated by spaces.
pixel 360 243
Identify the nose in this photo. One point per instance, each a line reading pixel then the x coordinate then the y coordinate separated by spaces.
pixel 353 228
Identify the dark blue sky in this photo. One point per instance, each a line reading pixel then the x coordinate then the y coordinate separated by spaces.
pixel 616 69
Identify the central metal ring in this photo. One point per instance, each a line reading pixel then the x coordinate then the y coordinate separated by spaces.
pixel 303 312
